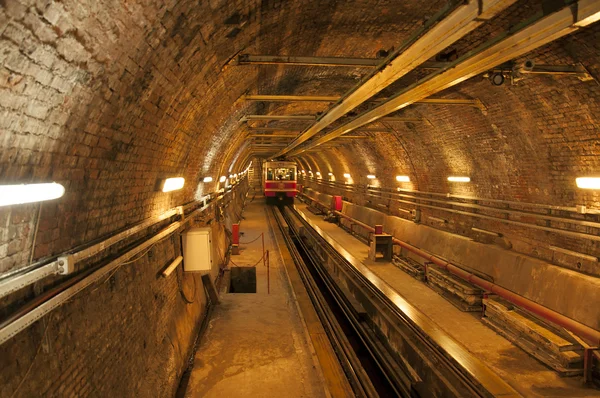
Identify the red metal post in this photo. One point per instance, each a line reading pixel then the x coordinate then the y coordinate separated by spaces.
pixel 378 229
pixel 336 203
pixel 263 247
pixel 235 239
pixel 268 275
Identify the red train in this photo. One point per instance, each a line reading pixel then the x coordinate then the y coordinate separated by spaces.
pixel 279 182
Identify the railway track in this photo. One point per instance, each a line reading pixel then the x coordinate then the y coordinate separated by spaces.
pixel 384 350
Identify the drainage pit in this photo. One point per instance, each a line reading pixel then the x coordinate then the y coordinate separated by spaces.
pixel 242 280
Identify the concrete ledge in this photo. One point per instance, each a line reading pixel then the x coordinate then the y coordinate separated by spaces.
pixel 568 292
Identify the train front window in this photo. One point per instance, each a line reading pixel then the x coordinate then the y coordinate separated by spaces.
pixel 281 174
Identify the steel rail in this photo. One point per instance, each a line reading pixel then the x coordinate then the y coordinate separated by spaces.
pixel 400 382
pixel 424 44
pixel 350 363
pixel 525 37
pixel 433 344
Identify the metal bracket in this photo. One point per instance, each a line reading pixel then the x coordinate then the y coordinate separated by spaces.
pixel 11 285
pixel 65 265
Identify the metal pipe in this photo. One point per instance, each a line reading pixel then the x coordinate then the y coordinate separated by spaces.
pixel 518 213
pixel 278 117
pixel 544 312
pixel 324 98
pixel 172 266
pixel 247 59
pixel 248 118
pixel 287 136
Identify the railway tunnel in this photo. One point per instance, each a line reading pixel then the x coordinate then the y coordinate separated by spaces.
pixel 444 237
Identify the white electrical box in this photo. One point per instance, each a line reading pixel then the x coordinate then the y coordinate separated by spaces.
pixel 197 250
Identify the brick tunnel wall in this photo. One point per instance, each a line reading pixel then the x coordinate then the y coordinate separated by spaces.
pixel 531 142
pixel 129 335
pixel 91 101
pixel 108 98
pixel 94 93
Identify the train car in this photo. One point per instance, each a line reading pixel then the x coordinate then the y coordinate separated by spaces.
pixel 279 182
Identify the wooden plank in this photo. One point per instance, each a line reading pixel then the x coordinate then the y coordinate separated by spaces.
pixel 210 288
pixel 454 300
pixel 456 282
pixel 534 336
pixel 409 266
pixel 533 350
pixel 525 324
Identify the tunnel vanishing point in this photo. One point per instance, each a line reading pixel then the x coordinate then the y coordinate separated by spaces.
pixel 435 169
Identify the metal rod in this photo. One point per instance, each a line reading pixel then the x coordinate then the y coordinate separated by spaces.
pixel 462 20
pixel 296 129
pixel 248 118
pixel 172 266
pixel 278 117
pixel 247 59
pixel 545 29
pixel 323 98
pixel 284 136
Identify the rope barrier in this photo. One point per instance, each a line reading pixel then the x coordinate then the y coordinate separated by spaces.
pixel 252 266
pixel 252 241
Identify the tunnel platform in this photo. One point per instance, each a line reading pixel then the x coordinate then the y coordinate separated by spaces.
pixel 521 371
pixel 256 344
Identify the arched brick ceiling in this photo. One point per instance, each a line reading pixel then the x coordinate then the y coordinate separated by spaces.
pixel 110 97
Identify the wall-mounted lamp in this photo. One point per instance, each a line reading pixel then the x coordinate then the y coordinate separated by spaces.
pixel 172 184
pixel 403 178
pixel 222 179
pixel 347 175
pixel 371 177
pixel 207 179
pixel 459 179
pixel 29 193
pixel 588 182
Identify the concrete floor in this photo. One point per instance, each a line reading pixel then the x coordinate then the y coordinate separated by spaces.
pixel 521 371
pixel 255 344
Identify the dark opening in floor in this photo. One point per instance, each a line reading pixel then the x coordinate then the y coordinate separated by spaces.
pixel 242 280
